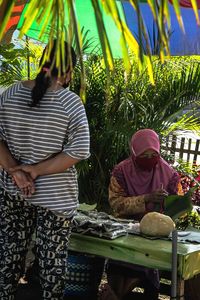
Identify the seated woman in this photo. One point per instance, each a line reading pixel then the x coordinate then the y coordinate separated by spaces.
pixel 138 185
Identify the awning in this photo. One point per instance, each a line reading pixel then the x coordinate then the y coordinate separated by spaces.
pixel 180 43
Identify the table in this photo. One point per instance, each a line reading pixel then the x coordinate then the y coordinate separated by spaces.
pixel 144 252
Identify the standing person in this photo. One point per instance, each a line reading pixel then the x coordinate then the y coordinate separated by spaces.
pixel 138 185
pixel 43 134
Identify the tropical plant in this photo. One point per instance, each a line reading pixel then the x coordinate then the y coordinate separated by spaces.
pixel 191 219
pixel 50 17
pixel 186 169
pixel 132 103
pixel 18 62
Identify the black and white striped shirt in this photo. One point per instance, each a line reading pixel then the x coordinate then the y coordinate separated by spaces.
pixel 58 124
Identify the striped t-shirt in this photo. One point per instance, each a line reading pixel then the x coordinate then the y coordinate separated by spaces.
pixel 58 124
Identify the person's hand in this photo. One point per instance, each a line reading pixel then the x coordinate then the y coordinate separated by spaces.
pixel 24 182
pixel 156 196
pixel 29 169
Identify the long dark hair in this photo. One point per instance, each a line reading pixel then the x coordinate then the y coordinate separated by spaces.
pixel 49 70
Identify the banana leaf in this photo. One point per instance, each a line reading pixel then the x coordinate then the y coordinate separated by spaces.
pixel 175 206
pixel 87 207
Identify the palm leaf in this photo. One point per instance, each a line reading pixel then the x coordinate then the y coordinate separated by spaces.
pixel 195 8
pixel 5 12
pixel 52 10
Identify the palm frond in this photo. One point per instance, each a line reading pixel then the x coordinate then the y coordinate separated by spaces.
pixel 51 16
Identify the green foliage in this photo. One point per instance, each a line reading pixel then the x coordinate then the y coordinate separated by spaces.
pixel 60 19
pixel 130 102
pixel 190 219
pixel 15 61
pixel 177 205
pixel 186 168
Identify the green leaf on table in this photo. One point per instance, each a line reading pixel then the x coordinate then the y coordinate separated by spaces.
pixel 175 205
pixel 87 207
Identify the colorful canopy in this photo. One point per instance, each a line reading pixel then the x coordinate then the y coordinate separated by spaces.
pixel 180 43
pixel 14 19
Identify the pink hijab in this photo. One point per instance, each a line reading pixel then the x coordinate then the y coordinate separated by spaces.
pixel 138 182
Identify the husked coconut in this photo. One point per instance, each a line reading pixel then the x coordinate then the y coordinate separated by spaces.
pixel 156 224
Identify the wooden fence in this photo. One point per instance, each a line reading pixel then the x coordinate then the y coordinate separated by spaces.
pixel 184 148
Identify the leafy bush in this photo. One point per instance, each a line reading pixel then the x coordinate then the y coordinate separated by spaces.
pixel 189 219
pixel 188 174
pixel 18 61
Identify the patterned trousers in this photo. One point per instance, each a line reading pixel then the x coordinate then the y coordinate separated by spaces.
pixel 18 220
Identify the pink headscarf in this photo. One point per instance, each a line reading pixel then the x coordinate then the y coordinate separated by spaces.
pixel 143 140
pixel 137 181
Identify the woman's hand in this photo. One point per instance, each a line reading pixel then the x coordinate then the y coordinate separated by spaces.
pixel 24 182
pixel 156 196
pixel 29 169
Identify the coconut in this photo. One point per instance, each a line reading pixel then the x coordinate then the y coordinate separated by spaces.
pixel 156 224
